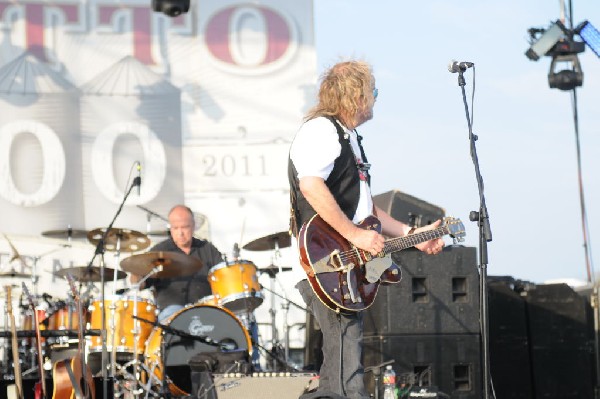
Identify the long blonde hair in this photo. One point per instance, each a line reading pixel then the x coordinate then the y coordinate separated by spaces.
pixel 342 87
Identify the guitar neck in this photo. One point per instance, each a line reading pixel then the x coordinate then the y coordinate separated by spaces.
pixel 38 338
pixel 400 243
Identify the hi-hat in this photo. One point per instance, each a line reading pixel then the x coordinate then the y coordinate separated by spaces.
pixel 272 270
pixel 14 274
pixel 174 264
pixel 270 242
pixel 91 274
pixel 128 240
pixel 65 234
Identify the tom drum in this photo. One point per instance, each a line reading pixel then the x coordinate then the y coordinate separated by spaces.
pixel 235 285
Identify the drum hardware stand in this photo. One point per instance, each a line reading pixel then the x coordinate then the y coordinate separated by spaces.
pixel 137 181
pixel 285 306
pixel 135 363
pixel 113 307
pixel 149 215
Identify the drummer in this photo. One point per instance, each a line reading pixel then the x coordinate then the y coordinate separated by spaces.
pixel 172 294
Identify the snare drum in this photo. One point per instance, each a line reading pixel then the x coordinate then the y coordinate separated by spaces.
pixel 123 331
pixel 214 322
pixel 235 285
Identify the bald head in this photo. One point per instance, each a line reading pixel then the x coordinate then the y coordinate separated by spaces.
pixel 182 226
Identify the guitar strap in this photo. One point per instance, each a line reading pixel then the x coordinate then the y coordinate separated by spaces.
pixel 74 382
pixel 362 166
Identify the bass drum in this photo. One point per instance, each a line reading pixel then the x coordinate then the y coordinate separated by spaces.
pixel 218 324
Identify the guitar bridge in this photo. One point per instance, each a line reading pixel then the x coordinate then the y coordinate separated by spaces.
pixel 336 260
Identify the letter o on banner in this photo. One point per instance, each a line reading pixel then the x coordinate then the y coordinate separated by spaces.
pixel 53 162
pixel 154 163
pixel 251 40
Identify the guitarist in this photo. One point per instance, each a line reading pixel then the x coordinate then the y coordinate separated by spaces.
pixel 328 175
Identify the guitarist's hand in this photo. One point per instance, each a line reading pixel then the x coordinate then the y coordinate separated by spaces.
pixel 432 247
pixel 367 240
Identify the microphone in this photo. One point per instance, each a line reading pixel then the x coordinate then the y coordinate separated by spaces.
pixel 138 179
pixel 236 251
pixel 455 66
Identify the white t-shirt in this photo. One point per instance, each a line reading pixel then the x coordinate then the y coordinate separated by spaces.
pixel 313 152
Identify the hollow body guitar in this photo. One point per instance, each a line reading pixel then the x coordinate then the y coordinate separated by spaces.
pixel 346 279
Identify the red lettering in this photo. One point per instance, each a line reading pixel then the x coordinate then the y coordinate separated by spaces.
pixel 277 35
pixel 34 23
pixel 142 45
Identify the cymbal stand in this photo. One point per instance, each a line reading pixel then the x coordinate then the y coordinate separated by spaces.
pixel 113 307
pixel 149 215
pixel 285 306
pixel 272 312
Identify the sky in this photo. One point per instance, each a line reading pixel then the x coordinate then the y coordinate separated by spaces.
pixel 418 140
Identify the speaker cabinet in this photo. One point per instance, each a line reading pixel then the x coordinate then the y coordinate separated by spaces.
pixel 262 385
pixel 510 365
pixel 408 209
pixel 561 342
pixel 437 295
pixel 449 362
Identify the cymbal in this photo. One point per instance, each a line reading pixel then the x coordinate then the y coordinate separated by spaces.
pixel 174 264
pixel 270 242
pixel 85 274
pixel 14 274
pixel 129 240
pixel 272 270
pixel 65 234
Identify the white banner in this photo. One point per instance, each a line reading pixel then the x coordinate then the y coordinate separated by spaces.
pixel 206 103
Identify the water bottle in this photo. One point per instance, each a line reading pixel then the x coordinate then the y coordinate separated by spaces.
pixel 389 383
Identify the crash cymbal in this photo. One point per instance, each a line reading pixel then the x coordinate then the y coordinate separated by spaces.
pixel 270 242
pixel 91 274
pixel 65 234
pixel 14 274
pixel 129 240
pixel 174 264
pixel 272 270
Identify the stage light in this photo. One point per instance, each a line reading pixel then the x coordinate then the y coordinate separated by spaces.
pixel 172 8
pixel 590 35
pixel 567 79
pixel 547 39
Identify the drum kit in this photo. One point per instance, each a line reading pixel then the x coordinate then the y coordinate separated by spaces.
pixel 148 357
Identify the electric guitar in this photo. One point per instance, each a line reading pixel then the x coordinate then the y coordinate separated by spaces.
pixel 72 377
pixel 345 278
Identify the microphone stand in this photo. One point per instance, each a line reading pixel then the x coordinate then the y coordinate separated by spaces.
pixel 485 235
pixel 100 251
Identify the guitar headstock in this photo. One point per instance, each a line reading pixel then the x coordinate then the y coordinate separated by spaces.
pixel 29 296
pixel 456 229
pixel 72 286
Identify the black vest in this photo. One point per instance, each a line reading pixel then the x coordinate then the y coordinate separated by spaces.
pixel 343 182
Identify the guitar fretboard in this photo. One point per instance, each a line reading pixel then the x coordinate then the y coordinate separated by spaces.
pixel 400 243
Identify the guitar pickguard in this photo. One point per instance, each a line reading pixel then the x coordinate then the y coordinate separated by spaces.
pixel 375 268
